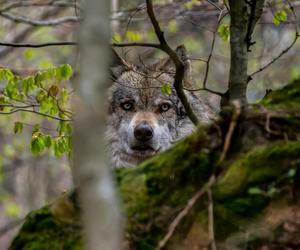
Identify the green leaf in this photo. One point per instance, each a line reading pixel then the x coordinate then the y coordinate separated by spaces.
pixel 64 96
pixel 223 32
pixel 3 99
pixel 69 128
pixel 37 144
pixel 117 38
pixel 47 141
pixel 166 89
pixel 61 146
pixel 133 36
pixel 64 72
pixel 11 90
pixel 48 106
pixel 45 63
pixel 255 190
pixel 29 54
pixel 11 208
pixel 8 75
pixel 41 96
pixel 36 129
pixel 62 127
pixel 272 191
pixel 28 84
pixel 189 5
pixel 279 17
pixel 172 26
pixel 291 173
pixel 18 127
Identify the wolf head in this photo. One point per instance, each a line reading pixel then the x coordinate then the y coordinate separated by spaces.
pixel 143 120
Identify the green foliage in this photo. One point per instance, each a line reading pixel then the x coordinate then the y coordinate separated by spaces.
pixel 279 17
pixel 40 93
pixel 11 208
pixel 224 32
pixel 189 5
pixel 63 72
pixel 133 36
pixel 18 128
pixel 37 144
pixel 29 54
pixel 172 26
pixel 166 89
pixel 116 38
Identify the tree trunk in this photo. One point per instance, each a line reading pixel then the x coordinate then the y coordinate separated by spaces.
pixel 244 15
pixel 100 214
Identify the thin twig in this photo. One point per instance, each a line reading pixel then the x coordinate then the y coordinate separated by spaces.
pixel 21 36
pixel 184 212
pixel 178 79
pixel 37 45
pixel 233 123
pixel 286 49
pixel 153 45
pixel 211 229
pixel 22 19
pixel 205 89
pixel 212 49
pixel 35 112
pixel 19 4
pixel 212 3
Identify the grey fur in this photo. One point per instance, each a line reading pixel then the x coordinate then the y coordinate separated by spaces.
pixel 140 87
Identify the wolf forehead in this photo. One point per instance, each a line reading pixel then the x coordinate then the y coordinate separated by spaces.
pixel 142 86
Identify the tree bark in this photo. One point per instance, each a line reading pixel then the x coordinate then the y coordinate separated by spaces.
pixel 92 177
pixel 244 15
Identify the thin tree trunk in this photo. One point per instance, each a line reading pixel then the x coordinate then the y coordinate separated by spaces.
pixel 239 55
pixel 244 16
pixel 100 213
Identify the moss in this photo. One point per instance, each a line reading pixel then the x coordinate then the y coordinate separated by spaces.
pixel 260 165
pixel 288 97
pixel 42 230
pixel 150 193
pixel 155 191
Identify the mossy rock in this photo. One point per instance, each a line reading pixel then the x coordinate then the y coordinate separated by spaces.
pixel 153 193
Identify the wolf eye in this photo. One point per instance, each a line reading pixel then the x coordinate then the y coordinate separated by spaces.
pixel 127 106
pixel 165 107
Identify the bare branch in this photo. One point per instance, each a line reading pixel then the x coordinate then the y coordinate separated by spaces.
pixel 233 123
pixel 176 60
pixel 54 22
pixel 37 45
pixel 220 18
pixel 287 49
pixel 184 212
pixel 153 45
pixel 19 4
pixel 211 229
pixel 35 112
pixel 206 89
pixel 21 36
pixel 275 58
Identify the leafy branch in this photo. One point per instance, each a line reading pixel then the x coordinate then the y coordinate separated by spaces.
pixel 40 94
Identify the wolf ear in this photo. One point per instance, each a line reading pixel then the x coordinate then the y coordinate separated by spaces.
pixel 168 65
pixel 118 65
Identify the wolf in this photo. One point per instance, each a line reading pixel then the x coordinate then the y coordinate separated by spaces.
pixel 142 119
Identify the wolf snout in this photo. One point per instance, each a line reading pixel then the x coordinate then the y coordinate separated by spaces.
pixel 143 132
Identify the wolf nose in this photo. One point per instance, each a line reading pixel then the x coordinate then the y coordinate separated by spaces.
pixel 143 132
